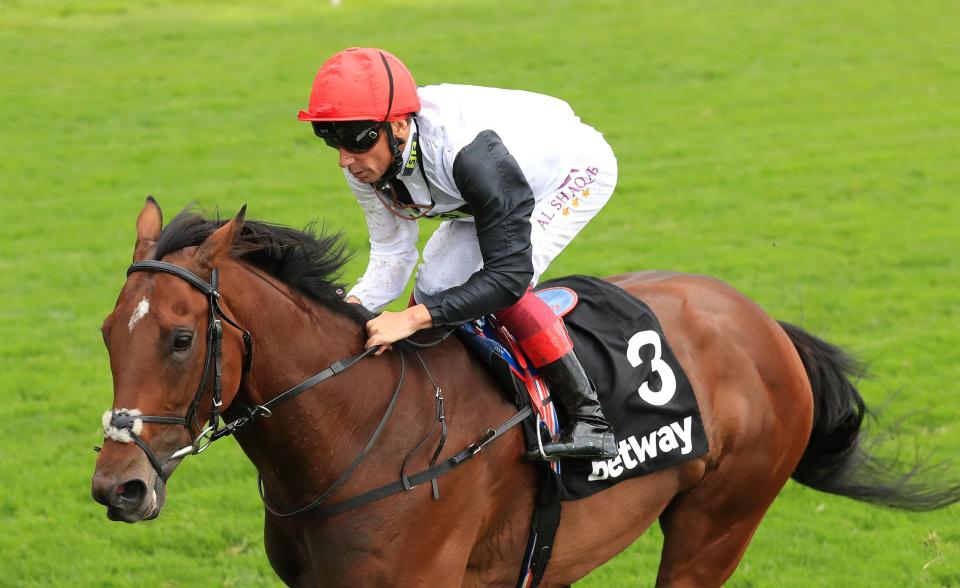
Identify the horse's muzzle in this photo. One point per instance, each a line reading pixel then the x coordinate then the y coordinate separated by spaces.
pixel 130 500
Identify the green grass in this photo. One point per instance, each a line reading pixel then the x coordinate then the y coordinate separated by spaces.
pixel 806 152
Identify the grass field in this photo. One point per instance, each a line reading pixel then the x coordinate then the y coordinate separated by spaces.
pixel 806 152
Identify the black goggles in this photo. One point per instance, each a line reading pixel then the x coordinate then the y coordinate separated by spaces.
pixel 356 136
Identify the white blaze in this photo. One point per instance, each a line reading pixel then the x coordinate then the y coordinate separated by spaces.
pixel 141 311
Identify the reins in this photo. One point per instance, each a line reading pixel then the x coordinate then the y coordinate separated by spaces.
pixel 125 422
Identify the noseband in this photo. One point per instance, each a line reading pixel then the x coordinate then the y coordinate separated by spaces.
pixel 124 425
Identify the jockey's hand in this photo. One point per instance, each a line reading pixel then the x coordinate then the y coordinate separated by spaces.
pixel 393 326
pixel 353 300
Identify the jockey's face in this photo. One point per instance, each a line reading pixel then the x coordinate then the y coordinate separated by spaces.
pixel 370 166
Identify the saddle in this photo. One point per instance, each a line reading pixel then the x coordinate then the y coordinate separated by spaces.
pixel 516 373
pixel 644 391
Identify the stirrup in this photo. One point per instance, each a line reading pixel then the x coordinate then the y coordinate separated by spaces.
pixel 537 454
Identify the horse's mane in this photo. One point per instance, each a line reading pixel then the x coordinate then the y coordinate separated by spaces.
pixel 309 261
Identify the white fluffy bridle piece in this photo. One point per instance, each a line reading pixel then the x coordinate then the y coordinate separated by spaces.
pixel 121 435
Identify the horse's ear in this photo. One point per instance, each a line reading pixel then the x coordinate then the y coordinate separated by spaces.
pixel 219 243
pixel 149 224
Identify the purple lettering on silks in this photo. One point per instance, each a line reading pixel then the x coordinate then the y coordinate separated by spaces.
pixel 544 219
pixel 572 185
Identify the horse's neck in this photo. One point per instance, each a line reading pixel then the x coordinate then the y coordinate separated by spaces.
pixel 310 440
pixel 294 339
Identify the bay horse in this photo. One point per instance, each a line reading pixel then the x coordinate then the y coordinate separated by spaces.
pixel 776 403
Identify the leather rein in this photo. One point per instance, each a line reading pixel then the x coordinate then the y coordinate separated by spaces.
pixel 129 422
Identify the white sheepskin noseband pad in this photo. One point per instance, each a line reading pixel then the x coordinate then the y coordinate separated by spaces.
pixel 121 435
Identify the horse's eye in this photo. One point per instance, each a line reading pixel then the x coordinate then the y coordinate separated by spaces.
pixel 182 342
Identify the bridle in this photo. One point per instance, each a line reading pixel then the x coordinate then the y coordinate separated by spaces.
pixel 125 422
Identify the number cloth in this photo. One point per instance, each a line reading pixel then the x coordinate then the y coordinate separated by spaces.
pixel 645 394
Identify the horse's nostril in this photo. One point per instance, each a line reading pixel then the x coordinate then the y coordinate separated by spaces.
pixel 132 491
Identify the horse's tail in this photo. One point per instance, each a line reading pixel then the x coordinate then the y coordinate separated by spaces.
pixel 836 460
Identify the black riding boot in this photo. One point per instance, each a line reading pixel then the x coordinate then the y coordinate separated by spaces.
pixel 587 434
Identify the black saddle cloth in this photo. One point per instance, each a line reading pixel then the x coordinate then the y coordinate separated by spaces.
pixel 645 394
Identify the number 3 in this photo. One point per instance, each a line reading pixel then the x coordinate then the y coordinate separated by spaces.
pixel 668 380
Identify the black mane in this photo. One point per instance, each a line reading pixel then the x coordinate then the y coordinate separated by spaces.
pixel 308 262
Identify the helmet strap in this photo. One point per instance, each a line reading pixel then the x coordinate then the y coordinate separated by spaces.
pixel 392 141
pixel 396 151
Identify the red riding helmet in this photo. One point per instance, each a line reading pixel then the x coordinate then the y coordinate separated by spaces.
pixel 355 84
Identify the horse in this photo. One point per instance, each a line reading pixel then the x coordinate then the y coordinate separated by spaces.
pixel 776 403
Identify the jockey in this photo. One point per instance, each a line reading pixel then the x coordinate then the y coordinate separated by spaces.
pixel 512 177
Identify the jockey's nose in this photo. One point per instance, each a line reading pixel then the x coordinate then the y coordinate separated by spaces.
pixel 346 158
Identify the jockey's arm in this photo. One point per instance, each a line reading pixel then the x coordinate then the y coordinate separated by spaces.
pixel 393 252
pixel 492 183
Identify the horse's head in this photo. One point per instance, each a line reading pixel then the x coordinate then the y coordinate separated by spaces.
pixel 175 366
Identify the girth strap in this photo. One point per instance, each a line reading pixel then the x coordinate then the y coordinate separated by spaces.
pixel 543 530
